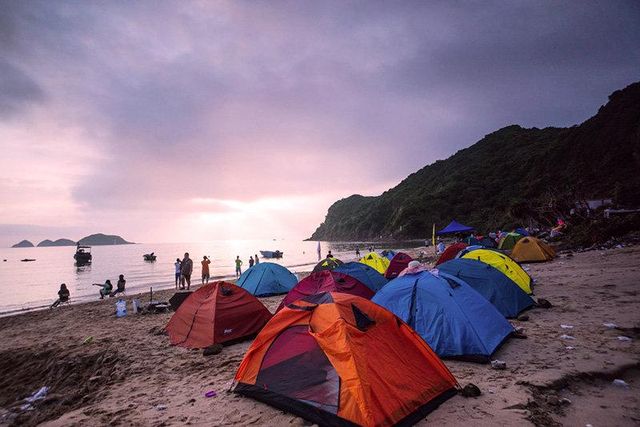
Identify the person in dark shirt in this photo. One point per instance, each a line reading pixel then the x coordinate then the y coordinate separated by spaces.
pixel 119 286
pixel 63 296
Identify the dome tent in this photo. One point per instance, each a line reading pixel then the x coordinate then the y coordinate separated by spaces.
pixel 267 279
pixel 503 263
pixel 362 272
pixel 375 261
pixel 314 360
pixel 530 249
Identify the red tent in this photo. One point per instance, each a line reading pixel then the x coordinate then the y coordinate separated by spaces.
pixel 216 313
pixel 399 262
pixel 326 281
pixel 451 252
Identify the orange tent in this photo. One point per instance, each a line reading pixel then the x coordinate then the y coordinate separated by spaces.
pixel 216 313
pixel 339 359
pixel 530 249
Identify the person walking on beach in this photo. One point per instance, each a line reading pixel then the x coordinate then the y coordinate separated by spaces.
pixel 257 259
pixel 186 268
pixel 250 261
pixel 63 296
pixel 238 266
pixel 357 252
pixel 205 269
pixel 178 267
pixel 119 286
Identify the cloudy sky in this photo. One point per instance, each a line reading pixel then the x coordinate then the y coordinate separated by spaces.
pixel 190 121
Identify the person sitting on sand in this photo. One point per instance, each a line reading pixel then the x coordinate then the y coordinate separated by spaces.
pixel 105 289
pixel 177 265
pixel 255 257
pixel 119 286
pixel 63 296
pixel 238 266
pixel 329 255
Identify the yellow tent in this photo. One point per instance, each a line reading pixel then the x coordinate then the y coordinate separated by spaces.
pixel 505 264
pixel 530 249
pixel 376 262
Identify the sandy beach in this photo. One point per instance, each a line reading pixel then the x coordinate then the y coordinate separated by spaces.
pixel 129 374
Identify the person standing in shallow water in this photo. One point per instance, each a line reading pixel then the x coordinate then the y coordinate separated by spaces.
pixel 186 268
pixel 205 269
pixel 250 261
pixel 178 267
pixel 238 266
pixel 257 259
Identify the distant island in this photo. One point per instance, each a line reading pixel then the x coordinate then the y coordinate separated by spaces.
pixel 23 244
pixel 98 239
pixel 59 242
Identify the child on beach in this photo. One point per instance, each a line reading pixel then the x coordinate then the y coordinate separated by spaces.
pixel 63 296
pixel 177 265
pixel 119 286
pixel 238 266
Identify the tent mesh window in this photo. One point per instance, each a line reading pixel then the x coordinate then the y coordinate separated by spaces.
pixel 296 367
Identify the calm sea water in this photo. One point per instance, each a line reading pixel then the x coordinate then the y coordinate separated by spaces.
pixel 32 285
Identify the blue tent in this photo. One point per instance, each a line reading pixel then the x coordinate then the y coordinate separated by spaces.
pixel 365 274
pixel 489 282
pixel 522 231
pixel 388 254
pixel 266 279
pixel 455 227
pixel 449 315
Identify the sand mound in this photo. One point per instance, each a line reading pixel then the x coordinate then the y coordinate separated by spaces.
pixel 75 378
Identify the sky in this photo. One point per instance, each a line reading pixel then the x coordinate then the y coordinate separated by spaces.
pixel 185 121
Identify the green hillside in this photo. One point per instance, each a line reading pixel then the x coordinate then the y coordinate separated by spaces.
pixel 510 177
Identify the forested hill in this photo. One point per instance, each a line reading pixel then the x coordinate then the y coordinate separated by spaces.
pixel 507 178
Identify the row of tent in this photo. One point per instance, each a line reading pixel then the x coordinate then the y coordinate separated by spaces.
pixel 312 357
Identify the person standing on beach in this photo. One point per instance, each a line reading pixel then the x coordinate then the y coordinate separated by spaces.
pixel 238 266
pixel 186 268
pixel 250 261
pixel 178 267
pixel 357 252
pixel 205 269
pixel 257 259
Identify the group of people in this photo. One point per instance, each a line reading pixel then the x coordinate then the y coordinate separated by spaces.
pixel 106 289
pixel 253 260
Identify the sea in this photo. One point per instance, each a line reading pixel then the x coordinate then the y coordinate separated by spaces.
pixel 34 285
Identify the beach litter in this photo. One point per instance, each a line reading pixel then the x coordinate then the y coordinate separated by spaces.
pixel 498 364
pixel 566 326
pixel 620 383
pixel 610 325
pixel 161 407
pixel 210 393
pixel 569 347
pixel 543 303
pixel 566 337
pixel 623 338
pixel 37 395
pixel 88 340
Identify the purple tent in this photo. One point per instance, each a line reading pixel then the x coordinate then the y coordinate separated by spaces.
pixel 455 227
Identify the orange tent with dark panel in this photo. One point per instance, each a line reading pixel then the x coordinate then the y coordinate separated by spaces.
pixel 451 252
pixel 217 313
pixel 530 249
pixel 338 359
pixel 399 262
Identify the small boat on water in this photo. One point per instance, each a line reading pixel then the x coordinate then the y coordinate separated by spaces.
pixel 149 257
pixel 272 254
pixel 83 254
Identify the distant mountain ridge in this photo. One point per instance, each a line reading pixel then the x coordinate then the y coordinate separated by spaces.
pixel 507 178
pixel 98 239
pixel 59 242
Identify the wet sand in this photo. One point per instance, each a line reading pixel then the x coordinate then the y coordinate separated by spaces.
pixel 130 375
